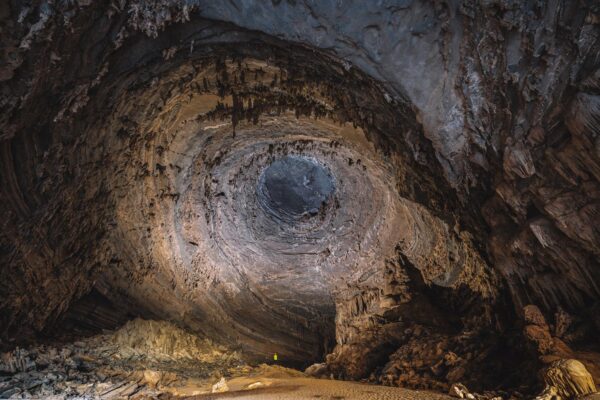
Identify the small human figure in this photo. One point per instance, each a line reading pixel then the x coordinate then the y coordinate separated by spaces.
pixel 275 357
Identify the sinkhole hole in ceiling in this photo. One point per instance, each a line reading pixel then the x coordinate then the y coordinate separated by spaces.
pixel 293 187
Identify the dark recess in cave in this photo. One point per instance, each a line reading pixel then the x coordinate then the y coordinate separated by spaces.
pixel 293 187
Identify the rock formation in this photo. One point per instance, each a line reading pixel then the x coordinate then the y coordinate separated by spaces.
pixel 566 379
pixel 408 191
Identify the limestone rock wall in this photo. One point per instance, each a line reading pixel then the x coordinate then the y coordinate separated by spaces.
pixel 462 138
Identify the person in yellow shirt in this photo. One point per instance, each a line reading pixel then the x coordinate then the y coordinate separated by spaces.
pixel 275 357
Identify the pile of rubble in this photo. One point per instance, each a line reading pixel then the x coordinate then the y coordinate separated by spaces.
pixel 142 360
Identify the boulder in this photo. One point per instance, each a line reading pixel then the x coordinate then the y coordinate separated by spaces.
pixel 567 379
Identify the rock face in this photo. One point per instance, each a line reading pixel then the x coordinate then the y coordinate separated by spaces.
pixel 410 188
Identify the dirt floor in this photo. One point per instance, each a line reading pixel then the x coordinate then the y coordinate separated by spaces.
pixel 311 388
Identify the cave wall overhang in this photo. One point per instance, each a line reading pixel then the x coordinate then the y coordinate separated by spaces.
pixel 141 150
pixel 476 112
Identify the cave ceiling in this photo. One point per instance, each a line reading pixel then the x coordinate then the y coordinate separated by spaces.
pixel 315 177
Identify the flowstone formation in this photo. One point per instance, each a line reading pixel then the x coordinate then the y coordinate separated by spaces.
pixel 406 191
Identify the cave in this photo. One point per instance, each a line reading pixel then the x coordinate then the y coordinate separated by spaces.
pixel 300 199
pixel 294 187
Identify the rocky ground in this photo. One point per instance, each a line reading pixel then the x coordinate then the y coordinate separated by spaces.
pixel 143 359
pixel 147 359
pixel 156 360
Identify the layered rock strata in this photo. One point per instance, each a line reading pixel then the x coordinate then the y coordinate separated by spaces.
pixel 373 181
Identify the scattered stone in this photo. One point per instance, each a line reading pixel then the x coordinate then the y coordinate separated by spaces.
pixel 220 387
pixel 152 377
pixel 255 385
pixel 139 361
pixel 549 393
pixel 460 391
pixel 317 370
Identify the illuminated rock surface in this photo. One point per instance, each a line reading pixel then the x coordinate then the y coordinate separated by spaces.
pixel 407 191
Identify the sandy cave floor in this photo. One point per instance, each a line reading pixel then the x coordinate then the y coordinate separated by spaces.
pixel 311 388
